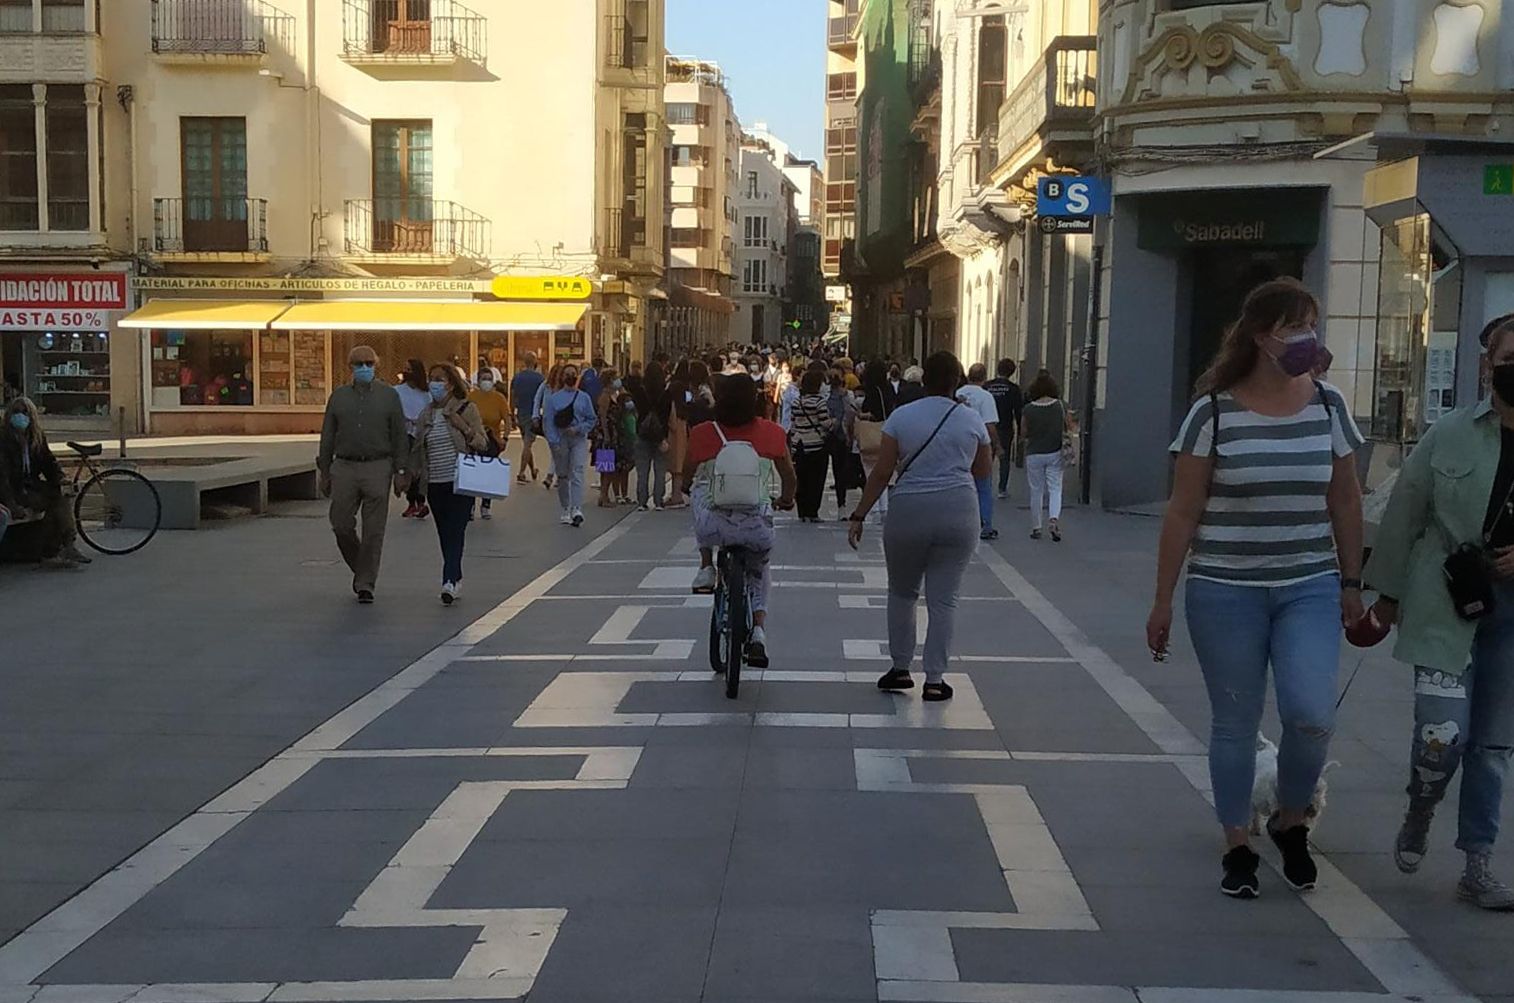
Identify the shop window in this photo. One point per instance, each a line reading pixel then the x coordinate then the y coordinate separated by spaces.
pixel 395 348
pixel 18 159
pixel 1418 316
pixel 292 368
pixel 65 372
pixel 202 368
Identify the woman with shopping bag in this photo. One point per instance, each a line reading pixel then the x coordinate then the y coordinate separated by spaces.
pixel 449 429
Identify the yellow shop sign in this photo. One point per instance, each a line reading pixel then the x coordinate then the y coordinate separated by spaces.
pixel 542 287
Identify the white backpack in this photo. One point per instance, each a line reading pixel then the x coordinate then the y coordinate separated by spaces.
pixel 736 480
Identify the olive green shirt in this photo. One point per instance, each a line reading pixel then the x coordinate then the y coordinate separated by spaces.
pixel 364 422
pixel 1439 503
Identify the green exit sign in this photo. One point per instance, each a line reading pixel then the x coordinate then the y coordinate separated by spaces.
pixel 1498 179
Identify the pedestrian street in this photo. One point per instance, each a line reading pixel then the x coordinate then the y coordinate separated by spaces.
pixel 560 804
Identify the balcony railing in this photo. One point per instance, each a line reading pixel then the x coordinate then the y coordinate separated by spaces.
pixel 426 228
pixel 389 30
pixel 627 46
pixel 214 27
pixel 210 226
pixel 1059 94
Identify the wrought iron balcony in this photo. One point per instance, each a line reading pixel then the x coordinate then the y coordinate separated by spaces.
pixel 215 27
pixel 412 31
pixel 1055 102
pixel 209 226
pixel 415 228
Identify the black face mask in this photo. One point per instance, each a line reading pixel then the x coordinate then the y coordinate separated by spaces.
pixel 1503 382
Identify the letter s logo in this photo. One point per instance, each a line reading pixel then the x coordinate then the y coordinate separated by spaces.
pixel 1077 199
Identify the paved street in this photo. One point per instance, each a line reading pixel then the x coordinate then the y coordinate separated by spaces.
pixel 259 790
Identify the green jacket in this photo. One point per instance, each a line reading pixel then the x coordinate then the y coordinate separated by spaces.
pixel 1439 503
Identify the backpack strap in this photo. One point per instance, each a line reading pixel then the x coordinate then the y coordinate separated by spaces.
pixel 720 432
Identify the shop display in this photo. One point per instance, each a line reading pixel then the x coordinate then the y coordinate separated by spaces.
pixel 274 367
pixel 66 373
pixel 208 368
pixel 310 368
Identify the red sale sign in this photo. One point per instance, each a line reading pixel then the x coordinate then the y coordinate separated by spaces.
pixel 63 290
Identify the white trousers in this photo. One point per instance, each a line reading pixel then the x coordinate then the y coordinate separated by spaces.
pixel 1044 472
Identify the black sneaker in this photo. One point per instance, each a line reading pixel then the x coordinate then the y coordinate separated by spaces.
pixel 1240 881
pixel 936 691
pixel 896 680
pixel 1299 869
pixel 364 596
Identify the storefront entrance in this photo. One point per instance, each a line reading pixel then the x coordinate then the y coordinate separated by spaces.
pixel 1222 278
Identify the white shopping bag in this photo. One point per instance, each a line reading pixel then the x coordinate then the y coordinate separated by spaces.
pixel 482 477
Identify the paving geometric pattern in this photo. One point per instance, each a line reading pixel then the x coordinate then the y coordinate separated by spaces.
pixel 559 804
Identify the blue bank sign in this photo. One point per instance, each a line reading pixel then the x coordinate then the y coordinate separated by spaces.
pixel 1069 203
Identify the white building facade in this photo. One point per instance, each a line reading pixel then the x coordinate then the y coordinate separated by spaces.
pixel 766 229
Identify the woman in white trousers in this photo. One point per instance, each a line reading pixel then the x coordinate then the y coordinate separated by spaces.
pixel 1044 426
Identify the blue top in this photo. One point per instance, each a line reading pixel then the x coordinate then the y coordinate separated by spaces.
pixel 944 462
pixel 523 392
pixel 584 418
pixel 590 383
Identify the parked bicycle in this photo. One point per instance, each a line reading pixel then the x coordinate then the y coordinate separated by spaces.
pixel 117 511
pixel 731 620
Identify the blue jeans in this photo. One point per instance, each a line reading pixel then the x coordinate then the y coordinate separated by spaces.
pixel 1237 631
pixel 1467 721
pixel 450 512
pixel 985 487
pixel 570 458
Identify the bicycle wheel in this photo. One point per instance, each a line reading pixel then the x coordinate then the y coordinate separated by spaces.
pixel 118 511
pixel 717 631
pixel 734 573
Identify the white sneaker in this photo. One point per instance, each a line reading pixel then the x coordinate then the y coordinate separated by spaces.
pixel 566 518
pixel 656 507
pixel 449 593
pixel 578 517
pixel 757 648
pixel 705 580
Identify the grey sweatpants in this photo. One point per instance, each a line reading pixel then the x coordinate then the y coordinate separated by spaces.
pixel 930 538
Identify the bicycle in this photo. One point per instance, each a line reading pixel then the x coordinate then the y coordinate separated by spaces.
pixel 116 511
pixel 731 619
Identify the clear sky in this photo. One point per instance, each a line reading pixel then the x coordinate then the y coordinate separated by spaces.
pixel 773 55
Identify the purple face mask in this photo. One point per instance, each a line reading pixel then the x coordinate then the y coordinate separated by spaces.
pixel 1300 353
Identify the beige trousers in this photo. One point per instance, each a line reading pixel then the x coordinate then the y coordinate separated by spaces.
pixel 365 487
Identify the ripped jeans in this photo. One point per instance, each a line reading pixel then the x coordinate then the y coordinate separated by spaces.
pixel 1237 631
pixel 1467 721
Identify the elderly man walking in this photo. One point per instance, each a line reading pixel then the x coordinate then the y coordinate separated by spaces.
pixel 363 451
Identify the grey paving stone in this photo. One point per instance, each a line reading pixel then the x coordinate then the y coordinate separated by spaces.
pixel 24 902
pixel 679 698
pixel 792 954
pixel 613 954
pixel 273 901
pixel 367 784
pixel 344 828
pixel 569 873
pixel 631 815
pixel 1189 860
pixel 717 766
pixel 825 698
pixel 1191 909
pixel 801 769
pixel 1135 958
pixel 298 955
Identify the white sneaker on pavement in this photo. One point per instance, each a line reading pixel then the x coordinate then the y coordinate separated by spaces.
pixel 578 517
pixel 566 518
pixel 449 593
pixel 705 579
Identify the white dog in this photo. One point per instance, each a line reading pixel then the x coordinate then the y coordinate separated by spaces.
pixel 1264 788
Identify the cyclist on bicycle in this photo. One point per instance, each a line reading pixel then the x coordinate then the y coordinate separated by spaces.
pixel 736 409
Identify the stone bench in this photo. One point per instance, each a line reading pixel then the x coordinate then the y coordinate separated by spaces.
pixel 250 482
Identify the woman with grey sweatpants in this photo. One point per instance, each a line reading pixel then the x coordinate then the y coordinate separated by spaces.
pixel 939 449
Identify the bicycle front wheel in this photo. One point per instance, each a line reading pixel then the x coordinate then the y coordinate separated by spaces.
pixel 736 620
pixel 118 511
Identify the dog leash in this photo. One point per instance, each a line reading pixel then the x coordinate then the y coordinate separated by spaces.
pixel 1359 663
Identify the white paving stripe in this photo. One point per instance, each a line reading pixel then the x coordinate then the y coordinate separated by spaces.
pixel 29 955
pixel 1382 946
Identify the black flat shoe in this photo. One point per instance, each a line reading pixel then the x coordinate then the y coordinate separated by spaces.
pixel 936 691
pixel 364 597
pixel 1299 869
pixel 1240 881
pixel 896 681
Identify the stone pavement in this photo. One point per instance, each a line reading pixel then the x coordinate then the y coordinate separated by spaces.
pixel 555 801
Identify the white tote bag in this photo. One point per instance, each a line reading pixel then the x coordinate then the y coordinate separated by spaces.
pixel 482 476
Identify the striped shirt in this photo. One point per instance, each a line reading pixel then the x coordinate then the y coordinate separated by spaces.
pixel 1267 522
pixel 441 452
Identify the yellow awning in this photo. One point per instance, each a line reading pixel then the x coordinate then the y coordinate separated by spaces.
pixel 420 315
pixel 206 315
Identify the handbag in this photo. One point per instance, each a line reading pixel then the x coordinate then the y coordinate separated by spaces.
pixel 604 461
pixel 482 476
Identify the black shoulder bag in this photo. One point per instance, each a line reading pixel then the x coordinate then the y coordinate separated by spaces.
pixel 566 417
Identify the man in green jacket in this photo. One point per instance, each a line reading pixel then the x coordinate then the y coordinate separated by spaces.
pixel 363 453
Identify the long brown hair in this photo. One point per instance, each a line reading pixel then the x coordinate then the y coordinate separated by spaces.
pixel 1284 302
pixel 34 437
pixel 457 387
pixel 1044 385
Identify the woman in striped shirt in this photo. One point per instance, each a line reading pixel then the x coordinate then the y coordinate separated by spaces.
pixel 1266 501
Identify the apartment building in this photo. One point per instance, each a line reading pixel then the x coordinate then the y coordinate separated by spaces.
pixel 64 245
pixel 705 161
pixel 840 150
pixel 300 178
pixel 767 226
